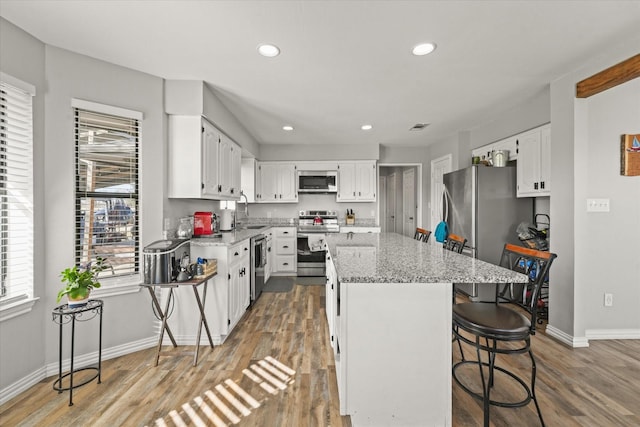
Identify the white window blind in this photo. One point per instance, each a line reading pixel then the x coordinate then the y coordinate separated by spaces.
pixel 16 190
pixel 107 190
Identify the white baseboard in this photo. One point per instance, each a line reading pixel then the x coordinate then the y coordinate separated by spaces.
pixel 613 334
pixel 565 338
pixel 80 361
pixel 22 385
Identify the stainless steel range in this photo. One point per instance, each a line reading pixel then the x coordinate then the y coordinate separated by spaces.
pixel 312 228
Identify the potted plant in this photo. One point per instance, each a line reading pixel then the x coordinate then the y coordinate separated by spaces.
pixel 79 281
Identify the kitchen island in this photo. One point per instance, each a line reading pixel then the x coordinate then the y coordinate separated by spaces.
pixel 388 305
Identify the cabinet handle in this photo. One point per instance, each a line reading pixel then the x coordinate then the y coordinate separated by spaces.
pixel 236 254
pixel 232 191
pixel 285 263
pixel 354 193
pixel 535 186
pixel 246 249
pixel 286 247
pixel 359 193
pixel 281 196
pixel 275 196
pixel 285 232
pixel 219 188
pixel 542 185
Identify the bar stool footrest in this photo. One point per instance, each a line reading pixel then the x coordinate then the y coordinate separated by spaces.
pixel 480 397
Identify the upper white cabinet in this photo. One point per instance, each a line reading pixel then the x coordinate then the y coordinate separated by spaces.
pixel 276 182
pixel 203 162
pixel 533 162
pixel 248 178
pixel 357 181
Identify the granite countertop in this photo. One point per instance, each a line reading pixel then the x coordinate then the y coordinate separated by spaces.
pixel 394 258
pixel 228 238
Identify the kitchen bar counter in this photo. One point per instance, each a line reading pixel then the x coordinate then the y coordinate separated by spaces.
pixel 388 305
pixel 400 259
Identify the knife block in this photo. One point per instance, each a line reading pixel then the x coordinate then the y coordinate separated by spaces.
pixel 350 219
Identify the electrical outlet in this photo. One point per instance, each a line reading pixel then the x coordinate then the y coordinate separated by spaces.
pixel 167 224
pixel 597 205
pixel 608 300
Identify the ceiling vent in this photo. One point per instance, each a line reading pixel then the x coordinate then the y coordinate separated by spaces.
pixel 419 126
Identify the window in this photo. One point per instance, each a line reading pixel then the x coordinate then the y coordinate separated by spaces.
pixel 106 193
pixel 16 189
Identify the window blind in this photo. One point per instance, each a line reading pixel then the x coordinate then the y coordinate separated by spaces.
pixel 16 192
pixel 107 191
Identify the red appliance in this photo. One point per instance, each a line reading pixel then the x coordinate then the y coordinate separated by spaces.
pixel 202 223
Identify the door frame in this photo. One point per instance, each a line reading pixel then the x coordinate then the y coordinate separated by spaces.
pixel 382 201
pixel 432 214
pixel 408 232
pixel 418 167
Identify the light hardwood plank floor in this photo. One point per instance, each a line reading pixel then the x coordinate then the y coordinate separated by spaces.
pixel 595 386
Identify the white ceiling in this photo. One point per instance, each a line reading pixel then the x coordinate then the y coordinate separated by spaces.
pixel 343 63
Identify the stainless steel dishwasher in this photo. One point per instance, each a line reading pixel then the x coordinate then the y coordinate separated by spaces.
pixel 258 262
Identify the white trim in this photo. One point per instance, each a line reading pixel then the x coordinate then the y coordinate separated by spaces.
pixel 566 338
pixel 612 334
pixel 51 369
pixel 17 83
pixel 17 308
pixel 112 287
pixel 418 188
pixel 22 385
pixel 106 109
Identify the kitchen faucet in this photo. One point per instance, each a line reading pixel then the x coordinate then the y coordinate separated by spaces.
pixel 246 203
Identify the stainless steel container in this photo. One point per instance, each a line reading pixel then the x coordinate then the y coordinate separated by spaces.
pixel 162 260
pixel 500 158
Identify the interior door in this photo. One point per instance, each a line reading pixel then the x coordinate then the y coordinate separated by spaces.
pixel 439 167
pixel 391 203
pixel 409 201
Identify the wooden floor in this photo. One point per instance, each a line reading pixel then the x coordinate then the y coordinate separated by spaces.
pixel 595 386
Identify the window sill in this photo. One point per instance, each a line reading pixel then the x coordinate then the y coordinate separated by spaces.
pixel 114 287
pixel 16 308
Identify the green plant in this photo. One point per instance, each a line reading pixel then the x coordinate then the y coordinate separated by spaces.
pixel 80 280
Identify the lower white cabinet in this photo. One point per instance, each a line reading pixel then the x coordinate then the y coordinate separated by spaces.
pixel 285 242
pixel 228 292
pixel 268 269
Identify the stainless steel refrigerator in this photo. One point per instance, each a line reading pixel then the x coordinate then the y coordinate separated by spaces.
pixel 480 204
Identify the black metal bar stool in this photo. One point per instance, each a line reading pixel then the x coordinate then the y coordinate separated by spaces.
pixel 422 235
pixel 496 329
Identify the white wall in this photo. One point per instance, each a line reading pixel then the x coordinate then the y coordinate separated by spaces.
pixel 610 114
pixel 22 339
pixel 318 152
pixel 595 251
pixel 70 75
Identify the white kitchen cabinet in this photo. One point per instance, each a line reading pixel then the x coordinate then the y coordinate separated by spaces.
pixel 228 292
pixel 239 281
pixel 285 242
pixel 202 162
pixel 533 162
pixel 248 178
pixel 230 168
pixel 268 269
pixel 331 302
pixel 276 182
pixel 358 229
pixel 357 181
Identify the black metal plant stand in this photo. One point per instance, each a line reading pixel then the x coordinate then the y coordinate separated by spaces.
pixel 63 315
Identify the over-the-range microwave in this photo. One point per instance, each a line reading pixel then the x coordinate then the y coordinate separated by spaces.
pixel 317 181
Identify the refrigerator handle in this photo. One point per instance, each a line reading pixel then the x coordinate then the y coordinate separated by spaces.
pixel 445 205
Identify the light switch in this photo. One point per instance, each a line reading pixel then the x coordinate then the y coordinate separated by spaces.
pixel 597 205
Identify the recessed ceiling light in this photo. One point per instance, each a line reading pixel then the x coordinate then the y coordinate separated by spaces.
pixel 366 127
pixel 287 127
pixel 268 50
pixel 423 49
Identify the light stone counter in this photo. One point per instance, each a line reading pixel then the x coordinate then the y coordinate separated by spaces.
pixel 400 259
pixel 228 238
